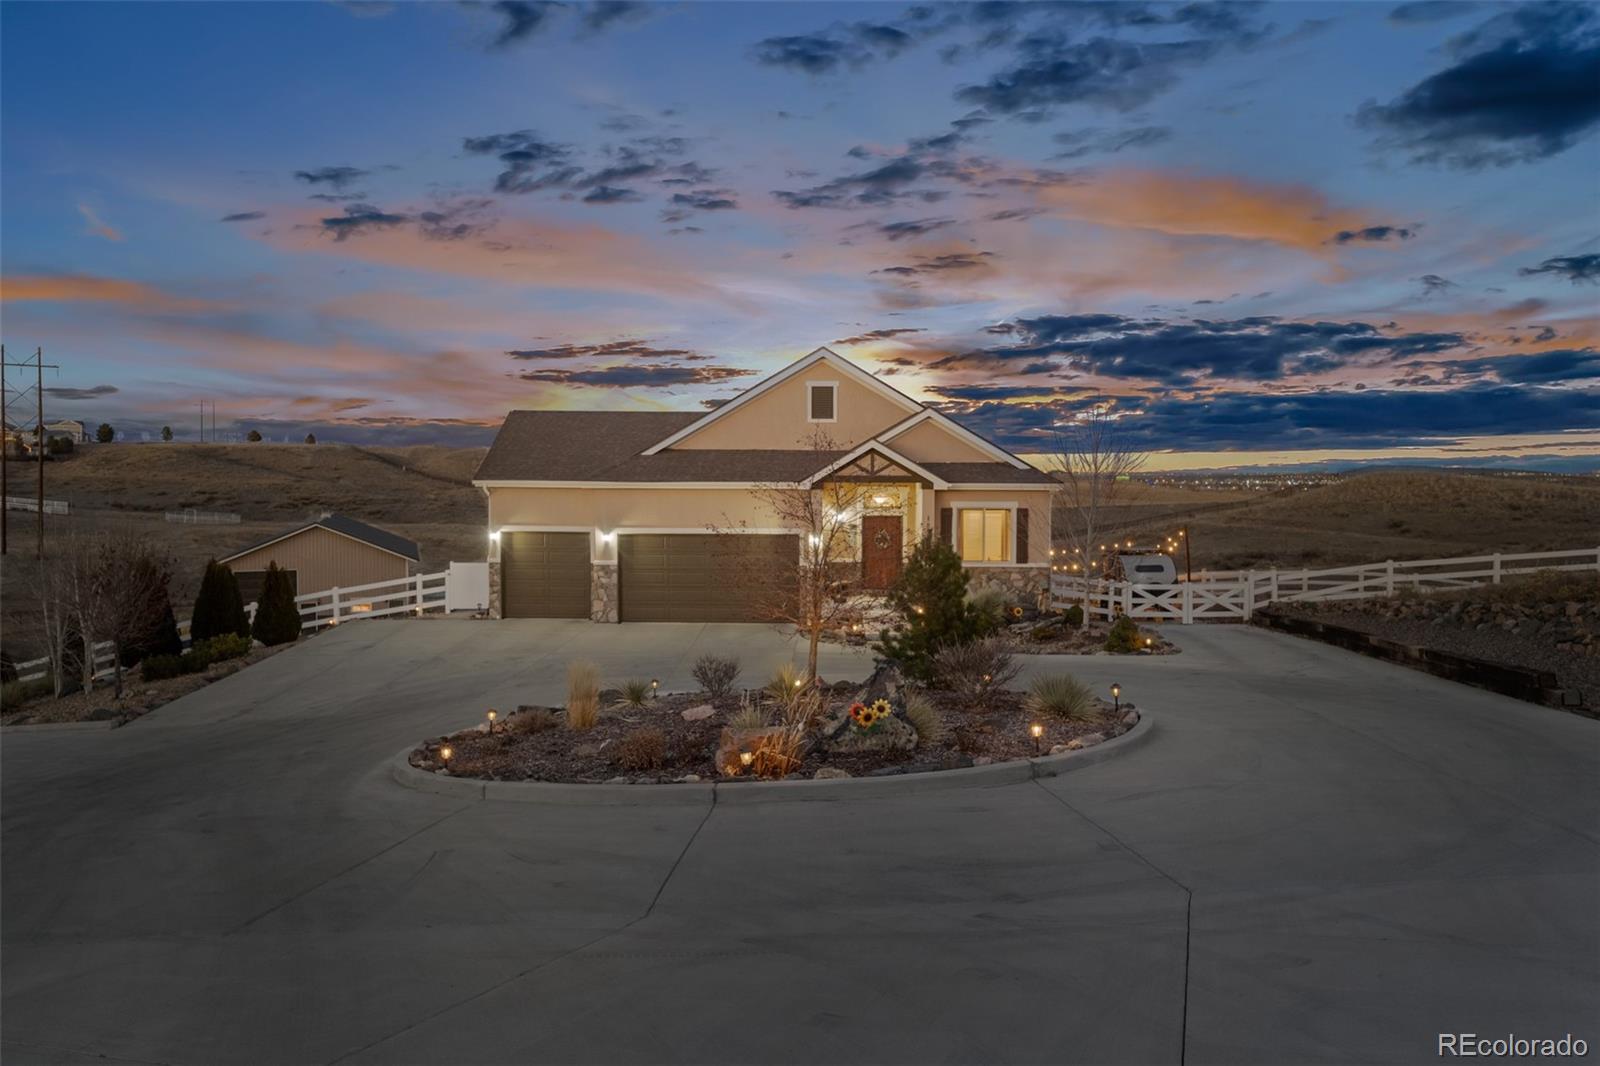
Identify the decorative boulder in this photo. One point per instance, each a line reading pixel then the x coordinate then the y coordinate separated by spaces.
pixel 830 773
pixel 698 714
pixel 1087 741
pixel 892 733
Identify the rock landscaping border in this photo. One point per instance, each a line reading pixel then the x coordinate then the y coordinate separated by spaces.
pixel 749 790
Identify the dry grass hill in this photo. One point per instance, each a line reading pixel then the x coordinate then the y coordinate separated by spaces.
pixel 1388 515
pixel 422 492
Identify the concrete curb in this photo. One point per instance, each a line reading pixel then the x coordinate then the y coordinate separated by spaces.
pixel 553 793
pixel 59 727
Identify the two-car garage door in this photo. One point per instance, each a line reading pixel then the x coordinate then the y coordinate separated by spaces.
pixel 663 577
pixel 703 577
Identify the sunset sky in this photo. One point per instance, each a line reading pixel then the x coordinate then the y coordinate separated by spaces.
pixel 1266 233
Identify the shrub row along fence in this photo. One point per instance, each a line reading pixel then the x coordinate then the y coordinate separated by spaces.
pixel 415 595
pixel 28 503
pixel 1236 595
pixel 190 516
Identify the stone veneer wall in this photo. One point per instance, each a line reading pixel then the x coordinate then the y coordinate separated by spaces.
pixel 494 588
pixel 1025 584
pixel 603 593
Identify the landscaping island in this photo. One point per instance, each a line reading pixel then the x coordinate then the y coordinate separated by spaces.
pixel 809 730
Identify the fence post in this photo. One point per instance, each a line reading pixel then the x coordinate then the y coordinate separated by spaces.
pixel 335 605
pixel 1250 596
pixel 1388 578
pixel 1497 568
pixel 1272 586
pixel 1188 603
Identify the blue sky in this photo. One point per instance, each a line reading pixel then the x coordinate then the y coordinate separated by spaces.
pixel 1265 232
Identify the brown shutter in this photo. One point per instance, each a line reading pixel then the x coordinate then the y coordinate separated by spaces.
pixel 1022 535
pixel 947 520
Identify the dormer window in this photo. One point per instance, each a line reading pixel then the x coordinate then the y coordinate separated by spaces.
pixel 822 401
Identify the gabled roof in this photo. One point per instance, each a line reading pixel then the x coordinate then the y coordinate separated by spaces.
pixel 382 539
pixel 888 453
pixel 799 366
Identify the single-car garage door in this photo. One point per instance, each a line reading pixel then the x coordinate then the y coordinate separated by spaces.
pixel 544 575
pixel 703 577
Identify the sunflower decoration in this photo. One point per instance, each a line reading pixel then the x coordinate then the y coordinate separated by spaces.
pixel 863 716
pixel 883 707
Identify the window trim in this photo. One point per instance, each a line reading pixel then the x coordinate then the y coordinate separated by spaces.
pixel 813 384
pixel 997 505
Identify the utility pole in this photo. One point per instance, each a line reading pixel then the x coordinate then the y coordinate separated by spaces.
pixel 5 456
pixel 38 366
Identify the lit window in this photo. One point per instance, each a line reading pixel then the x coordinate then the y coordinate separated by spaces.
pixel 985 536
pixel 823 402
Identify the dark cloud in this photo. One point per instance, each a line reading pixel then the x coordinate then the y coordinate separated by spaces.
pixel 609 350
pixel 94 392
pixel 638 376
pixel 521 19
pixel 1433 283
pixel 243 216
pixel 360 218
pixel 1542 368
pixel 877 335
pixel 1016 214
pixel 875 187
pixel 935 264
pixel 337 197
pixel 1259 348
pixel 455 221
pixel 1077 143
pixel 610 194
pixel 1372 234
pixel 910 228
pixel 1432 10
pixel 825 52
pixel 338 177
pixel 1524 89
pixel 602 15
pixel 533 164
pixel 1368 418
pixel 1574 268
pixel 706 200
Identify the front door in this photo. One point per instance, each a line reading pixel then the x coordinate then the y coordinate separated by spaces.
pixel 880 550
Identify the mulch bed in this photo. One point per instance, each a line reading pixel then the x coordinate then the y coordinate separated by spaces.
pixel 1084 640
pixel 534 743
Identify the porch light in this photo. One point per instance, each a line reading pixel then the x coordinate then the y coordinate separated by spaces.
pixel 1116 696
pixel 607 538
pixel 494 535
pixel 882 501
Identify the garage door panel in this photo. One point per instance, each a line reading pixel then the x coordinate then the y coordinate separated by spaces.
pixel 690 577
pixel 544 575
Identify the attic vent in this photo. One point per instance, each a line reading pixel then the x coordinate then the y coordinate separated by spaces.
pixel 823 396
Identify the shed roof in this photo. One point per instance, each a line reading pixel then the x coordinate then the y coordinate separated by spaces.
pixel 349 527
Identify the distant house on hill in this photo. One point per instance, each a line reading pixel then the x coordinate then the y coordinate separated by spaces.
pixel 333 551
pixel 66 427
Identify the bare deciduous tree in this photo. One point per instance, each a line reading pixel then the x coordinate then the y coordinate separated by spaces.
pixel 1093 464
pixel 128 578
pixel 827 517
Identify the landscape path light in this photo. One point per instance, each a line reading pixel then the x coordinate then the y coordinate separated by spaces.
pixel 1116 697
pixel 655 687
pixel 1038 731
pixel 444 755
pixel 493 714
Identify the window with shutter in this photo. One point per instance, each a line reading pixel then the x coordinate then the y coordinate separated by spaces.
pixel 824 401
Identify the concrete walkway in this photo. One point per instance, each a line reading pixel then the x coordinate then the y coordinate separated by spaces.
pixel 1318 858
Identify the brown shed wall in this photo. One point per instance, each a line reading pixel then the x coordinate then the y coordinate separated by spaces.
pixel 323 559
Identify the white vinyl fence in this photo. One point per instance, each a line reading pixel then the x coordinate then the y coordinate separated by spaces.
pixel 29 503
pixel 413 595
pixel 1236 595
pixel 190 516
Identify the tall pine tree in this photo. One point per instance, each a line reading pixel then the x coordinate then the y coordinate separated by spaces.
pixel 930 597
pixel 277 618
pixel 218 608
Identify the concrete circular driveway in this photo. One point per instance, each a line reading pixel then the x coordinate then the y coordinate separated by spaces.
pixel 1317 858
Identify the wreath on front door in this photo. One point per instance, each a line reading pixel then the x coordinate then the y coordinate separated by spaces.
pixel 881 540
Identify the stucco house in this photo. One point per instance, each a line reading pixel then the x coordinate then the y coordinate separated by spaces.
pixel 622 516
pixel 332 551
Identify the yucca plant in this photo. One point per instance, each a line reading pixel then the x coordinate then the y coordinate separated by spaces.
pixel 750 714
pixel 583 695
pixel 786 683
pixel 1061 695
pixel 635 692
